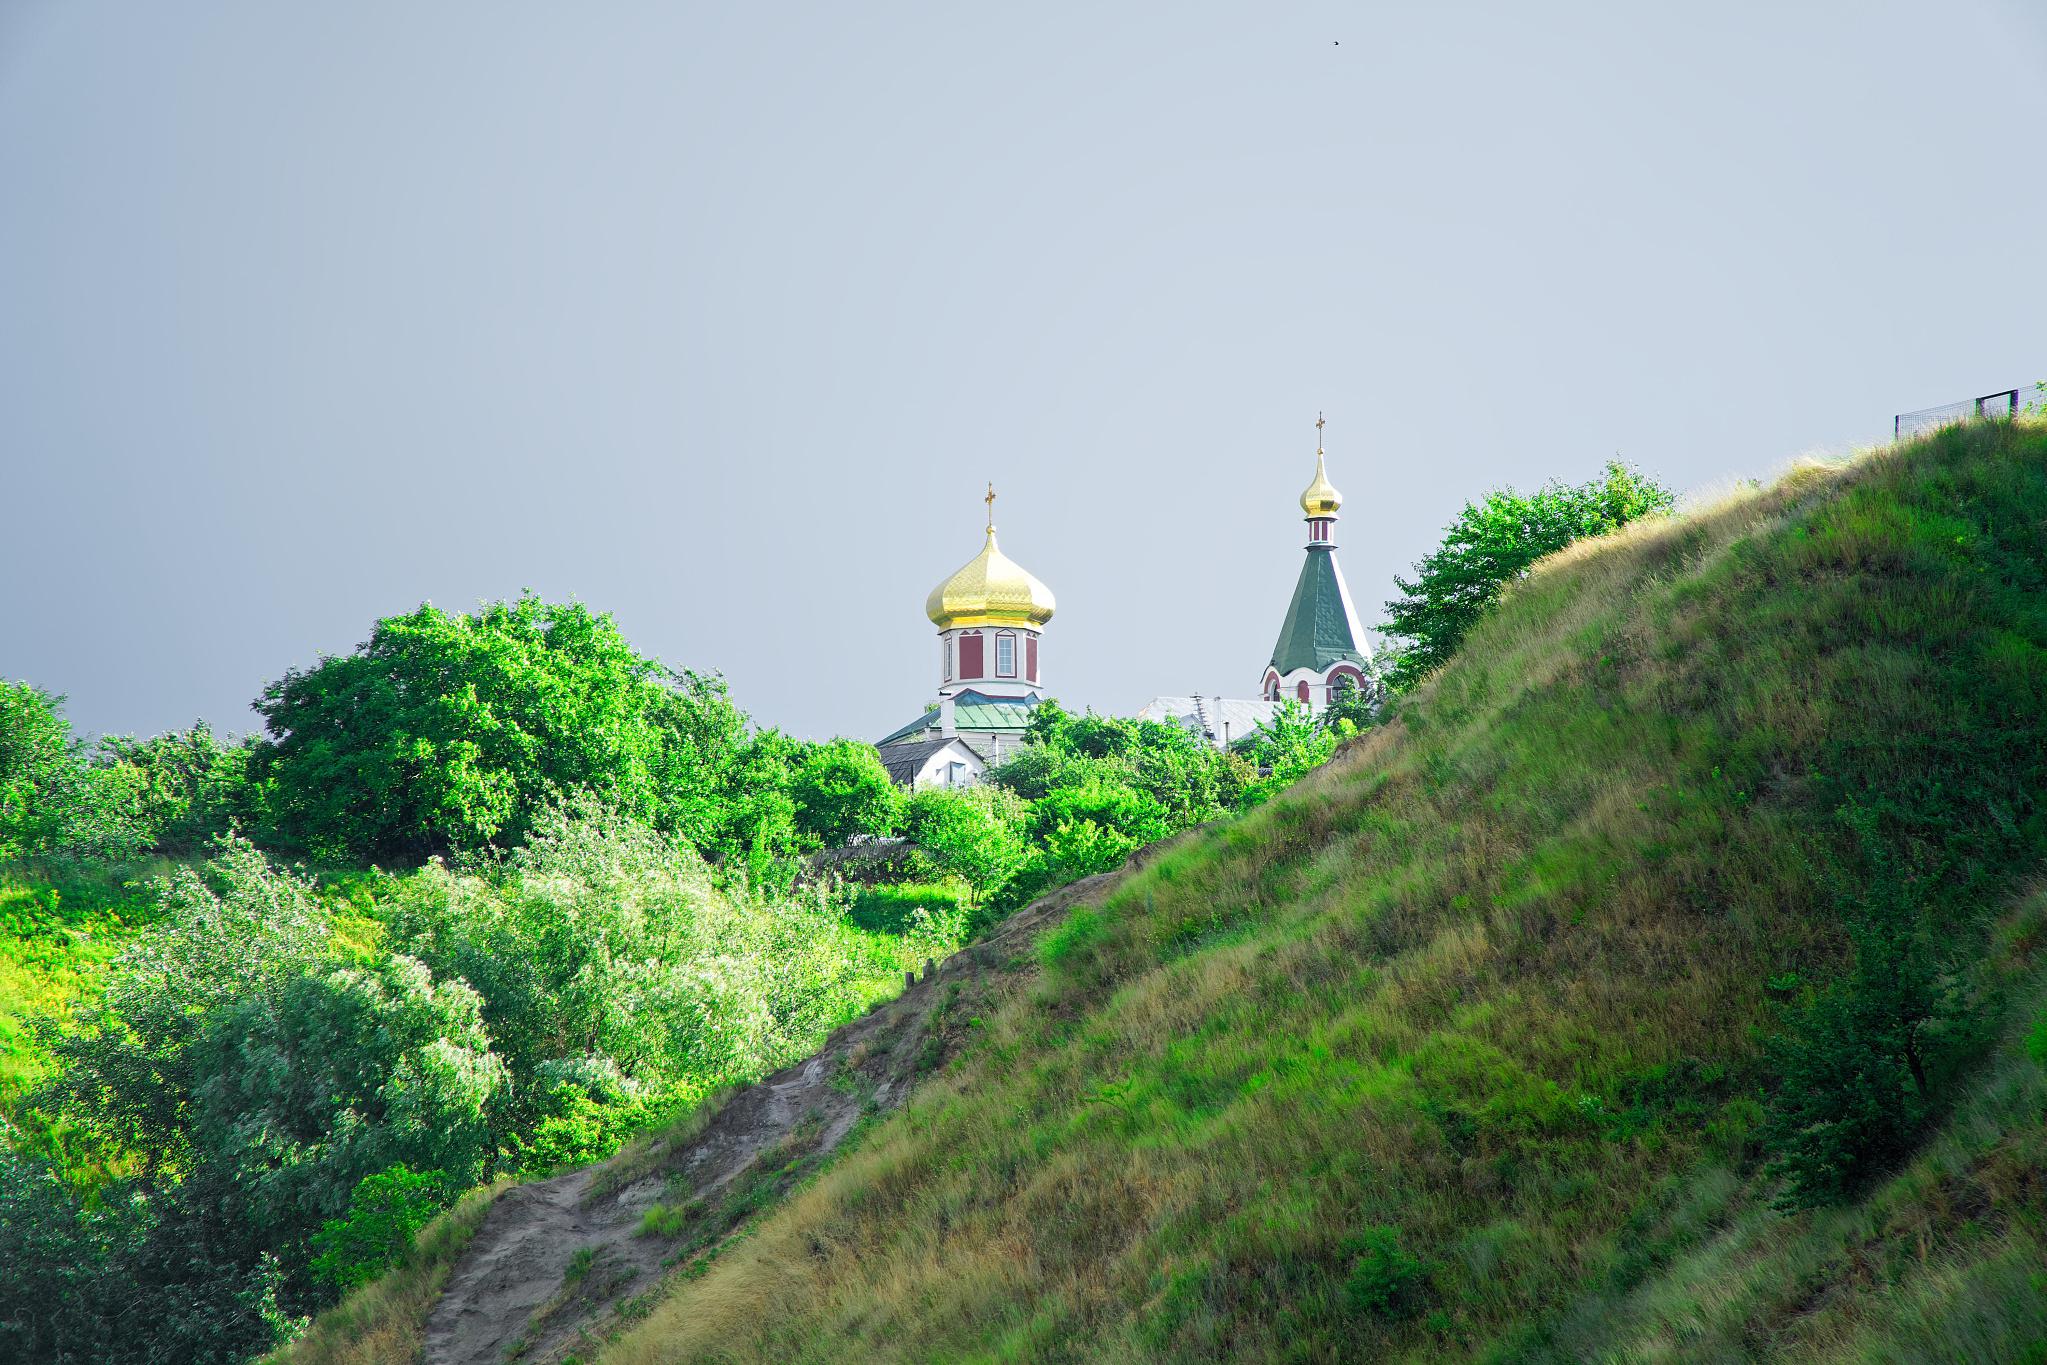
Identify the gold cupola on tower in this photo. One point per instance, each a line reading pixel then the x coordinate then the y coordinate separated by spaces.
pixel 991 589
pixel 1320 498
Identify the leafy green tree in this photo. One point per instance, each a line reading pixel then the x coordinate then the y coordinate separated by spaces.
pixel 446 732
pixel 978 834
pixel 841 789
pixel 132 1276
pixel 1493 543
pixel 618 973
pixel 254 1076
pixel 53 800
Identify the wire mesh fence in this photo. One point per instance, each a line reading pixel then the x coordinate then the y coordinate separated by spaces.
pixel 2004 405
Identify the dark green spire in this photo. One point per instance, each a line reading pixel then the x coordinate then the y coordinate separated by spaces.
pixel 1320 629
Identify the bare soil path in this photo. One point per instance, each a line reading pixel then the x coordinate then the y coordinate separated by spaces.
pixel 553 1256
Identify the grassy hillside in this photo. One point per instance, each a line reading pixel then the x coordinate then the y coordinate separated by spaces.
pixel 1456 1050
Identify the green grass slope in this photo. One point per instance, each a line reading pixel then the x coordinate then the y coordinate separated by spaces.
pixel 1454 1052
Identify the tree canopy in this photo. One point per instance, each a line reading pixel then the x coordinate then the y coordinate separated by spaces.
pixel 447 732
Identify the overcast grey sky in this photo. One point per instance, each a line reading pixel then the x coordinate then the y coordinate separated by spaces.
pixel 720 317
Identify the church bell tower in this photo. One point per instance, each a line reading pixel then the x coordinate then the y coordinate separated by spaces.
pixel 1321 649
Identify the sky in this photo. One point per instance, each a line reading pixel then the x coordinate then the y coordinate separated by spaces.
pixel 721 317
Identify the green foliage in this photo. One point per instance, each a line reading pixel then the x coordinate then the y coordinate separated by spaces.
pixel 911 907
pixel 1288 746
pixel 189 785
pixel 450 733
pixel 1352 709
pixel 1858 1064
pixel 1385 1281
pixel 385 1213
pixel 1493 543
pixel 54 800
pixel 841 789
pixel 611 962
pixel 977 834
pixel 271 1061
pixel 337 1076
pixel 134 1278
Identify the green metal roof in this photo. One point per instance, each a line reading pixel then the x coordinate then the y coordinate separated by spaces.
pixel 981 715
pixel 1319 629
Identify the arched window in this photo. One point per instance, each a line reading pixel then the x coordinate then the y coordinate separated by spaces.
pixel 1301 689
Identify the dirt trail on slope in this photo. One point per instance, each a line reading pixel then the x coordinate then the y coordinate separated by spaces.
pixel 553 1255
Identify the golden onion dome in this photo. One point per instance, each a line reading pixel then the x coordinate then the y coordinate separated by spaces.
pixel 991 589
pixel 1321 498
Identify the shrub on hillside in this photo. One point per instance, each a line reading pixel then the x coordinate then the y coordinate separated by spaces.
pixel 385 1212
pixel 1858 1063
pixel 1492 543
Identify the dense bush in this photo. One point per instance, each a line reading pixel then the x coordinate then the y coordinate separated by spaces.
pixel 1860 1060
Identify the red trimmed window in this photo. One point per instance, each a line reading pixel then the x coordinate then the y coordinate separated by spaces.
pixel 1301 689
pixel 1031 657
pixel 970 657
pixel 1005 655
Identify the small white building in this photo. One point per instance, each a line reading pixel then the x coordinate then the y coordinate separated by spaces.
pixel 922 763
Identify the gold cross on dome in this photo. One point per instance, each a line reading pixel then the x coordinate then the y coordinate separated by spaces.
pixel 1318 433
pixel 990 500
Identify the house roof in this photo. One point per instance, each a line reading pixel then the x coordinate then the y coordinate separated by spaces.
pixel 905 760
pixel 971 710
pixel 1321 627
pixel 1212 717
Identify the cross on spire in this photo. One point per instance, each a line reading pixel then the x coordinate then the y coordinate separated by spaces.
pixel 1318 433
pixel 990 500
